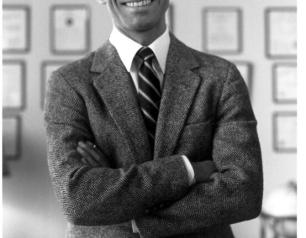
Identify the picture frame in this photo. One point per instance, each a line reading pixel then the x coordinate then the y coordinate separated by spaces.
pixel 47 67
pixel 285 83
pixel 70 29
pixel 246 70
pixel 285 132
pixel 16 25
pixel 281 32
pixel 222 31
pixel 14 85
pixel 11 134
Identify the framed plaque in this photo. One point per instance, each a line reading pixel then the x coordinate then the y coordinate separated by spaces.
pixel 47 68
pixel 16 29
pixel 14 82
pixel 222 30
pixel 11 135
pixel 281 32
pixel 246 70
pixel 285 83
pixel 70 29
pixel 285 131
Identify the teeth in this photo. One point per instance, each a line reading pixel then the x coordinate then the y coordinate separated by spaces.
pixel 139 4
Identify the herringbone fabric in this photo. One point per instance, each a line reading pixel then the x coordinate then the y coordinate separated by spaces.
pixel 149 91
pixel 205 114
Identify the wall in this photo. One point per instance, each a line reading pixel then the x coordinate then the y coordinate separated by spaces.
pixel 30 209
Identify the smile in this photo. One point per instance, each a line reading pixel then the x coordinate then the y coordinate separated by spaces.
pixel 142 3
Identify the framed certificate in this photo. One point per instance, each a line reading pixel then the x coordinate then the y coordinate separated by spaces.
pixel 285 83
pixel 70 29
pixel 47 68
pixel 285 131
pixel 11 137
pixel 16 29
pixel 246 71
pixel 14 82
pixel 222 30
pixel 281 32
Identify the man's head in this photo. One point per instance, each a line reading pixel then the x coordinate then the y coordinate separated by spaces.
pixel 139 17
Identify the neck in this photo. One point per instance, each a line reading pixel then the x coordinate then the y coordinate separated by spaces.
pixel 145 38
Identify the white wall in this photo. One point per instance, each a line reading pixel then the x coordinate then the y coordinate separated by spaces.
pixel 30 209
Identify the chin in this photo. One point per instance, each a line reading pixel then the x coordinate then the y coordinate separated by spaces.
pixel 142 26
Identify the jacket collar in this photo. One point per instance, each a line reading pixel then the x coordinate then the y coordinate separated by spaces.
pixel 127 48
pixel 116 88
pixel 177 53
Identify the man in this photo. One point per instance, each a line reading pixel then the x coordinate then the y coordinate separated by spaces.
pixel 150 138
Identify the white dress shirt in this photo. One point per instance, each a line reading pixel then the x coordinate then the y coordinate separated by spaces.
pixel 127 49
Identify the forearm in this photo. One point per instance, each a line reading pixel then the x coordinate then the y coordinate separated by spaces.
pixel 234 194
pixel 102 195
pixel 192 214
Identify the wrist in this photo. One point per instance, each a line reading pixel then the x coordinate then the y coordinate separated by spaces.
pixel 190 171
pixel 134 227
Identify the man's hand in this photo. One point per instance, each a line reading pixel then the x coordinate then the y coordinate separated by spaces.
pixel 91 154
pixel 203 170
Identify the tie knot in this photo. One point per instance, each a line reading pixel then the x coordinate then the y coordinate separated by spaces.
pixel 145 53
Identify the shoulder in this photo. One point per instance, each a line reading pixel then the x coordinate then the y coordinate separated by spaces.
pixel 211 65
pixel 78 69
pixel 215 71
pixel 221 71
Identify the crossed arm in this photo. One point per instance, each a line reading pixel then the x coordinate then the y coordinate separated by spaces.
pixel 103 195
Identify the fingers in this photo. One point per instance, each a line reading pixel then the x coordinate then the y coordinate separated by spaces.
pixel 92 146
pixel 89 149
pixel 86 158
pixel 89 152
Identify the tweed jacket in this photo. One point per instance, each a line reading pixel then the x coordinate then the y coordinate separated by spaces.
pixel 205 114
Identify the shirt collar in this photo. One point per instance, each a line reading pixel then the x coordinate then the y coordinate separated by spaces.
pixel 127 48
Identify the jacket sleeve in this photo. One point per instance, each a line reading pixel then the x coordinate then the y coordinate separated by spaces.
pixel 100 195
pixel 235 193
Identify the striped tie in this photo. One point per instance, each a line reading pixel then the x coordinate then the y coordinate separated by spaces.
pixel 149 93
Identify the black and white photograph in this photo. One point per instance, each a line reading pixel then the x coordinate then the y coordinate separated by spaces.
pixel 11 136
pixel 285 83
pixel 70 29
pixel 47 68
pixel 222 30
pixel 285 131
pixel 152 119
pixel 281 30
pixel 16 28
pixel 14 80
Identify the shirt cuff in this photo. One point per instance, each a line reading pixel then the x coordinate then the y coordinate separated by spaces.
pixel 134 227
pixel 190 171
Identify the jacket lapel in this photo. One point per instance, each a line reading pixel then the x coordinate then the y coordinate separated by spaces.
pixel 115 86
pixel 180 87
